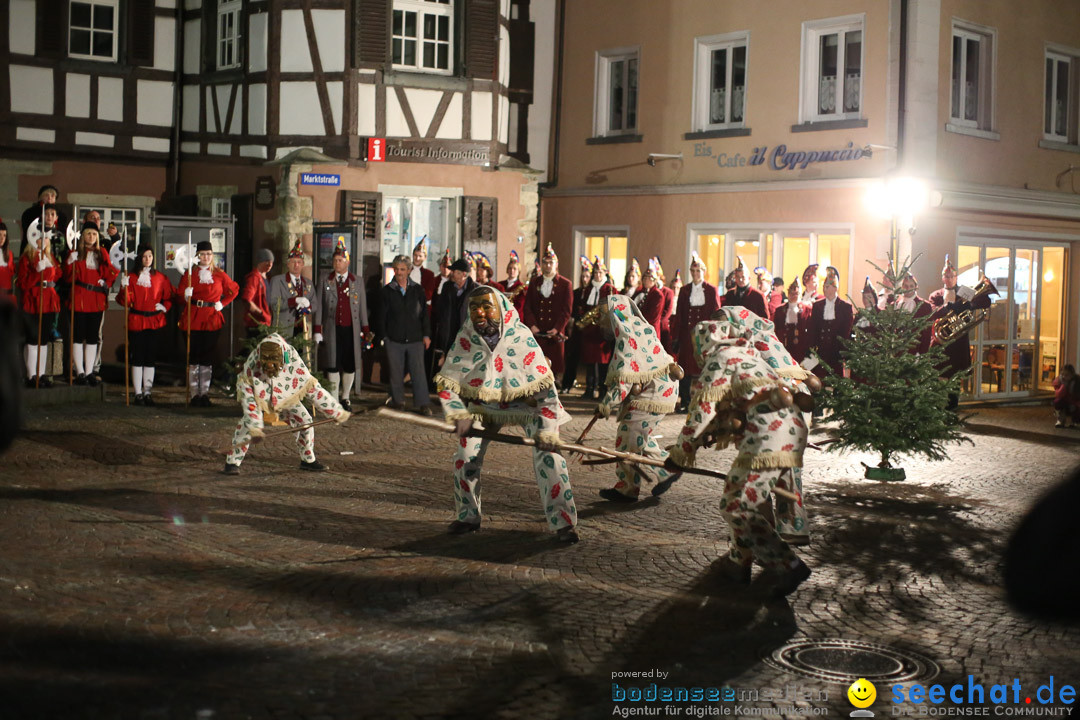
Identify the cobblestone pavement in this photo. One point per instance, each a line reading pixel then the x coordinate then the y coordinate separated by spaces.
pixel 136 581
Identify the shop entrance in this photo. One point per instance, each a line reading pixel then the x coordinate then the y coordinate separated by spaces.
pixel 1017 351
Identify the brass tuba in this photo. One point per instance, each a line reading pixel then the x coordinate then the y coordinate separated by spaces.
pixel 957 323
pixel 592 317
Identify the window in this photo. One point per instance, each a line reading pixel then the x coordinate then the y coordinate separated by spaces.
pixel 608 245
pixel 616 92
pixel 971 105
pixel 92 30
pixel 720 81
pixel 221 208
pixel 422 35
pixel 1060 110
pixel 228 35
pixel 406 219
pixel 832 69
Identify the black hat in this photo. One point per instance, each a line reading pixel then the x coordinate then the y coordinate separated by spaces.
pixel 3 225
pixel 48 187
pixel 460 264
pixel 143 248
pixel 89 226
pixel 204 245
pixel 49 206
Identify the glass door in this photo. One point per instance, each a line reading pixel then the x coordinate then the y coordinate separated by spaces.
pixel 611 248
pixel 1017 350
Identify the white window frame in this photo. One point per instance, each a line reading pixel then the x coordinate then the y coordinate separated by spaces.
pixel 607 231
pixel 704 47
pixel 1071 58
pixel 224 39
pixel 604 59
pixel 987 76
pixel 115 5
pixel 437 9
pixel 221 208
pixel 812 30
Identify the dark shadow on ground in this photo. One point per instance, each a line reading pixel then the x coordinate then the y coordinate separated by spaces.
pixel 100 449
pixel 1032 436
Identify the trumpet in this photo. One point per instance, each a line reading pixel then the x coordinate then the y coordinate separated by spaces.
pixel 590 318
pixel 512 294
pixel 957 323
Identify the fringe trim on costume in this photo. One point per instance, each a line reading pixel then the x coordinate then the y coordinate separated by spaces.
pixel 767 460
pixel 716 394
pixel 797 372
pixel 638 377
pixel 682 458
pixel 483 394
pixel 550 438
pixel 502 417
pixel 654 406
pixel 455 415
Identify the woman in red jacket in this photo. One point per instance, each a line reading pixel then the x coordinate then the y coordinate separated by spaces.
pixel 91 274
pixel 37 276
pixel 653 303
pixel 7 265
pixel 206 290
pixel 148 295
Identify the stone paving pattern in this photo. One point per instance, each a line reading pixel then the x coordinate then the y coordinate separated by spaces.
pixel 136 581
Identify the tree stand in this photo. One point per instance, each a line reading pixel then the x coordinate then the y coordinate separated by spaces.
pixel 884 471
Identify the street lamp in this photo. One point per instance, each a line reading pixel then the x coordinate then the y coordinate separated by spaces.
pixel 899 200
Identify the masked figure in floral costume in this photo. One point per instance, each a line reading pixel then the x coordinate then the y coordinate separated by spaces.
pixel 643 386
pixel 495 372
pixel 751 393
pixel 272 384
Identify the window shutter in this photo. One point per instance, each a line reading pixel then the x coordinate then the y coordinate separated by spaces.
pixel 140 33
pixel 522 52
pixel 481 38
pixel 209 35
pixel 371 32
pixel 52 34
pixel 365 210
pixel 479 225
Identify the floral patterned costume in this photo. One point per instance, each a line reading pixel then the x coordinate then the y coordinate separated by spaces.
pixel 639 360
pixel 282 394
pixel 740 360
pixel 511 384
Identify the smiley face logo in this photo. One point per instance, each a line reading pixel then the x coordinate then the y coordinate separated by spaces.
pixel 862 693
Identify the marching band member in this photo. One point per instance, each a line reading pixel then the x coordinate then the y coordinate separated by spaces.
pixel 421 275
pixel 669 304
pixel 572 346
pixel 792 321
pixel 37 275
pixel 632 283
pixel 206 290
pixel 831 319
pixel 90 272
pixel 953 297
pixel 742 295
pixel 341 324
pixel 595 349
pixel 652 297
pixel 549 304
pixel 697 301
pixel 908 300
pixel 8 269
pixel 148 295
pixel 810 285
pixel 512 286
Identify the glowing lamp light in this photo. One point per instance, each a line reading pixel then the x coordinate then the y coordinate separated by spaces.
pixel 898 197
pixel 1048 276
pixel 740 243
pixel 714 240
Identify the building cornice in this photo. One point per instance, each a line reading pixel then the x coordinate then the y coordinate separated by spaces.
pixel 710 188
pixel 1005 201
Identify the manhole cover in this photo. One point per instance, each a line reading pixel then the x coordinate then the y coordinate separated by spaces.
pixel 845 661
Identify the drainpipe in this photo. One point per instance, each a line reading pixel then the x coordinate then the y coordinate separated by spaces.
pixel 901 99
pixel 553 173
pixel 178 102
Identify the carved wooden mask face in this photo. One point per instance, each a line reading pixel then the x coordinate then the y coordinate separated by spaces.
pixel 484 313
pixel 271 359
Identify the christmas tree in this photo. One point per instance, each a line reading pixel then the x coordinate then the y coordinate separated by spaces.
pixel 894 402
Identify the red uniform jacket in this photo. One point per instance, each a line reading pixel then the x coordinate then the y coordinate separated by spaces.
pixel 506 287
pixel 7 273
pixel 255 291
pixel 87 294
pixel 750 299
pixel 665 317
pixel 31 281
pixel 594 349
pixel 143 313
pixel 203 296
pixel 923 309
pixel 687 317
pixel 825 335
pixel 794 336
pixel 652 307
pixel 775 299
pixel 550 313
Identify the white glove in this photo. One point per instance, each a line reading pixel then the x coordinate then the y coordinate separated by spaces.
pixel 318 338
pixel 43 264
pixel 187 293
pixel 123 281
pixel 101 282
pixel 303 302
pixel 218 306
pixel 160 308
pixel 72 257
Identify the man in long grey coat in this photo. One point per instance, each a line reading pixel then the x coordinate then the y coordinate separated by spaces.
pixel 292 298
pixel 341 325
